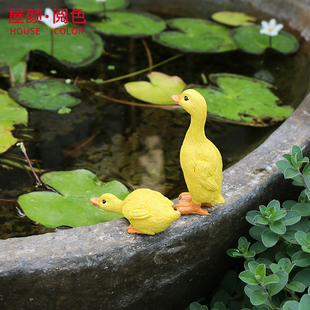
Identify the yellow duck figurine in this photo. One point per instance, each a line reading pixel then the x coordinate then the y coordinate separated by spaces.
pixel 200 159
pixel 148 211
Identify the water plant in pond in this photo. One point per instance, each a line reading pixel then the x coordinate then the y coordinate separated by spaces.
pixel 233 18
pixel 243 100
pixel 11 114
pixel 104 8
pixel 18 73
pixel 49 20
pixel 237 99
pixel 23 149
pixel 252 40
pixel 159 90
pixel 270 28
pixel 70 205
pixel 196 35
pixel 78 49
pixel 95 6
pixel 125 23
pixel 46 95
pixel 148 211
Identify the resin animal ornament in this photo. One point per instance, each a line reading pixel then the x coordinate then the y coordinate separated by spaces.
pixel 200 159
pixel 148 211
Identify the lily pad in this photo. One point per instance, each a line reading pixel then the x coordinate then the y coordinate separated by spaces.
pixel 74 208
pixel 159 90
pixel 196 35
pixel 11 114
pixel 45 95
pixel 129 24
pixel 233 18
pixel 243 100
pixel 93 6
pixel 251 41
pixel 73 50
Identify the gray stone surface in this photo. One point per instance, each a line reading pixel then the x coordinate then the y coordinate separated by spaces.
pixel 103 267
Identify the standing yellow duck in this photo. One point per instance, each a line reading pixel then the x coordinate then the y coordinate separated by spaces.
pixel 200 159
pixel 148 211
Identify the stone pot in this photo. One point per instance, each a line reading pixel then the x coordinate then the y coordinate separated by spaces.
pixel 103 267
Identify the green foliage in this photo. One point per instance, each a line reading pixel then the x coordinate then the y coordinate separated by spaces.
pixel 129 24
pixel 45 95
pixel 276 272
pixel 159 90
pixel 71 206
pixel 92 6
pixel 233 18
pixel 196 35
pixel 71 50
pixel 242 100
pixel 250 40
pixel 11 114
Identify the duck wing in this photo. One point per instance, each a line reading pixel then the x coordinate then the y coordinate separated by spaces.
pixel 208 175
pixel 136 213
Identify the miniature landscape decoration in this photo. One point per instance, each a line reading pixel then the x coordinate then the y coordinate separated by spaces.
pixel 68 192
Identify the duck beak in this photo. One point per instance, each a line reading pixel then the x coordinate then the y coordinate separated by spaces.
pixel 176 98
pixel 95 201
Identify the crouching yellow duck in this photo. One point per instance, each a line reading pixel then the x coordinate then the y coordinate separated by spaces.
pixel 148 211
pixel 200 159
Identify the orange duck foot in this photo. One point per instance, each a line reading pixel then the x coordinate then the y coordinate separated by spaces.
pixel 187 206
pixel 186 198
pixel 132 230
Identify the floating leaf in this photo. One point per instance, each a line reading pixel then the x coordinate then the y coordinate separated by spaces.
pixel 11 114
pixel 196 35
pixel 251 41
pixel 92 6
pixel 159 90
pixel 233 18
pixel 129 24
pixel 45 94
pixel 34 76
pixel 73 50
pixel 243 100
pixel 74 208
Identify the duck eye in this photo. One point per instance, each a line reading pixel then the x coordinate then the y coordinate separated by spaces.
pixel 103 201
pixel 185 98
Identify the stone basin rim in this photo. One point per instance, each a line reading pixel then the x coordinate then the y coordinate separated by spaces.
pixel 89 267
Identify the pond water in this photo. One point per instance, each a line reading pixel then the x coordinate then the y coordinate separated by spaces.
pixel 136 145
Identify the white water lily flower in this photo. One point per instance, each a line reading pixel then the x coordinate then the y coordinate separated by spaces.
pixel 270 28
pixel 49 20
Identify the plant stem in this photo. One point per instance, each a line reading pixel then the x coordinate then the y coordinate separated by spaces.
pixel 18 165
pixel 104 11
pixel 161 106
pixel 270 41
pixel 23 149
pixel 52 42
pixel 141 71
pixel 148 52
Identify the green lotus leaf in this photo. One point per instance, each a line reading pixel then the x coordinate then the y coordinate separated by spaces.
pixel 74 208
pixel 196 35
pixel 11 113
pixel 92 6
pixel 233 18
pixel 159 90
pixel 72 50
pixel 45 95
pixel 129 24
pixel 251 41
pixel 243 100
